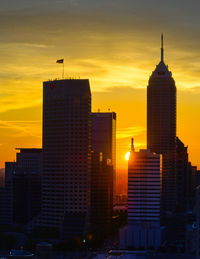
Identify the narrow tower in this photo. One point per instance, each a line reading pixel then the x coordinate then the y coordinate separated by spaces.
pixel 161 127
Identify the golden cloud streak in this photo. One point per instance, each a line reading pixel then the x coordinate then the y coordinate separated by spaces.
pixel 130 132
pixel 23 128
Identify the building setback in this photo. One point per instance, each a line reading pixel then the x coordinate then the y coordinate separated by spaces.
pixel 66 156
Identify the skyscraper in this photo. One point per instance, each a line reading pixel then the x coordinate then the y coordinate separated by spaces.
pixel 144 186
pixel 101 193
pixel 161 127
pixel 66 156
pixel 104 137
pixel 144 196
pixel 103 170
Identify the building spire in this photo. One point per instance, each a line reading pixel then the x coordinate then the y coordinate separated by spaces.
pixel 162 49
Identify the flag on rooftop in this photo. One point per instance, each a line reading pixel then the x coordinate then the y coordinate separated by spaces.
pixel 60 61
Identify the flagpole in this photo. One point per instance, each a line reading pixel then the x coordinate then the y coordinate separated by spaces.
pixel 61 61
pixel 63 69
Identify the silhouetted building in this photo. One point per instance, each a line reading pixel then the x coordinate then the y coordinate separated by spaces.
pixel 23 186
pixel 161 128
pixel 104 137
pixel 182 176
pixel 66 156
pixel 197 222
pixel 2 177
pixel 194 181
pixel 178 221
pixel 144 196
pixel 26 184
pixel 6 195
pixel 192 242
pixel 101 193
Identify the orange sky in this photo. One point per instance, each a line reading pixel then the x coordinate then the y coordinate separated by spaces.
pixel 116 48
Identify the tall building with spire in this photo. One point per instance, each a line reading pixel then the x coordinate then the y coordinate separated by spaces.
pixel 161 127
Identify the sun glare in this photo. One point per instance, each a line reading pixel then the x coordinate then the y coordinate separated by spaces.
pixel 127 156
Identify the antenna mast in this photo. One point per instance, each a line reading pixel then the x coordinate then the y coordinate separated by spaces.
pixel 162 49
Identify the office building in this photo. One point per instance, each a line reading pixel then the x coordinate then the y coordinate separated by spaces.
pixel 193 182
pixel 144 196
pixel 104 137
pixel 6 215
pixel 197 243
pixel 182 176
pixel 22 187
pixel 26 185
pixel 66 156
pixel 161 128
pixel 2 177
pixel 101 194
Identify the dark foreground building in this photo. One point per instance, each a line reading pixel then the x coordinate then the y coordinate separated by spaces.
pixel 21 197
pixel 66 156
pixel 161 128
pixel 101 194
pixel 182 177
pixel 104 137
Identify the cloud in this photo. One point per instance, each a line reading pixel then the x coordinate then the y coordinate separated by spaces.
pixel 130 132
pixel 22 128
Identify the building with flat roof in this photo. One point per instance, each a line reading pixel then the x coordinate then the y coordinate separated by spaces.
pixel 104 137
pixel 22 191
pixel 66 156
pixel 144 196
pixel 101 194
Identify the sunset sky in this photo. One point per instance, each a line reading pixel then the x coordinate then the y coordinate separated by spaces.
pixel 116 44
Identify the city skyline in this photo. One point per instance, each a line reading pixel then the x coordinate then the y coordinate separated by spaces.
pixel 116 58
pixel 99 122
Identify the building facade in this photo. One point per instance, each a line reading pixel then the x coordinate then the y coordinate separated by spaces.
pixel 26 185
pixel 101 194
pixel 104 137
pixel 6 194
pixel 66 156
pixel 182 177
pixel 144 196
pixel 22 190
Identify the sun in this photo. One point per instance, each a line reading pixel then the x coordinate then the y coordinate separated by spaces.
pixel 127 156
